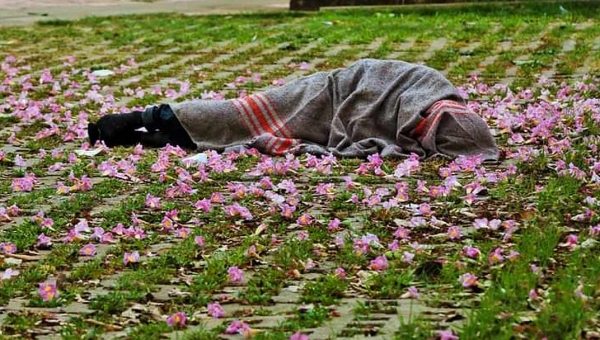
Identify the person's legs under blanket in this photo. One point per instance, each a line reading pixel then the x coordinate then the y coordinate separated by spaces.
pixel 256 121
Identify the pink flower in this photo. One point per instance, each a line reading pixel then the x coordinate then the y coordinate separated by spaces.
pixel 468 280
pixel 572 241
pixel 454 233
pixel 471 252
pixel 43 241
pixel 438 191
pixel 24 184
pixel 107 238
pixel 152 202
pixel 363 245
pixel 496 256
pixel 238 210
pixel 173 214
pixel 533 294
pixel 425 209
pixel 512 255
pixel 8 274
pixel 19 161
pixel 252 252
pixel 402 233
pixel 287 211
pixel 88 250
pixel 97 234
pixel 302 235
pixel 47 223
pixel 48 291
pixel 13 210
pixel 278 82
pixel 119 229
pixel 215 310
pixel 132 257
pixel 412 293
pixel 340 272
pixel 379 263
pixel 536 270
pixel 334 225
pixel 595 230
pixel 304 66
pixel 217 197
pixel 183 232
pixel 350 184
pixel 299 336
pixel 167 224
pixel 81 227
pixel 199 241
pixel 407 257
pixel 305 219
pixel 8 248
pixel 480 223
pixel 204 205
pixel 288 185
pixel 238 327
pixel 235 274
pixel 446 335
pixel 177 320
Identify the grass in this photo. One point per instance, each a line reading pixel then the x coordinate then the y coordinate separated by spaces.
pixel 535 277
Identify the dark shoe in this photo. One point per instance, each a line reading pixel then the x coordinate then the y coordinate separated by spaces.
pixel 156 139
pixel 116 129
pixel 111 139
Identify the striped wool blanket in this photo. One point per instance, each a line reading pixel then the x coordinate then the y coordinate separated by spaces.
pixel 392 108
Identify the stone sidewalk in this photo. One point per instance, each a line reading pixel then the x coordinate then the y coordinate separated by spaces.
pixel 16 12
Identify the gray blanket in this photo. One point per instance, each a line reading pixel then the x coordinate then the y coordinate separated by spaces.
pixel 373 106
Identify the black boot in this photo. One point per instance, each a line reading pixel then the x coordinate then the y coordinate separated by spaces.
pixel 124 139
pixel 116 129
pixel 156 139
pixel 119 129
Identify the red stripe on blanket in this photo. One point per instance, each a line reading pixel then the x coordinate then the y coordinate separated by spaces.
pixel 246 119
pixel 266 126
pixel 286 144
pixel 261 117
pixel 433 115
pixel 280 128
pixel 264 123
pixel 285 131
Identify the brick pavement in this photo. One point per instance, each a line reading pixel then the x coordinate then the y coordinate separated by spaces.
pixel 158 70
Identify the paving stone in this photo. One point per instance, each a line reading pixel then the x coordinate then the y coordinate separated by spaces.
pixel 95 292
pixel 286 296
pixel 436 45
pixel 337 49
pixel 108 204
pixel 528 48
pixel 78 308
pixel 585 68
pixel 280 308
pixel 101 251
pixel 177 59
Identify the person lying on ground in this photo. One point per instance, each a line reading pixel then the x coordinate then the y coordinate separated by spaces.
pixel 393 108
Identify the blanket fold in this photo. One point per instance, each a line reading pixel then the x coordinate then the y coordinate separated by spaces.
pixel 374 106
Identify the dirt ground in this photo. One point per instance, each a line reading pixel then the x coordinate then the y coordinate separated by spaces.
pixel 19 12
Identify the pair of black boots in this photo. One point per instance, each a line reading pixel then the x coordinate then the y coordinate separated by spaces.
pixel 160 122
